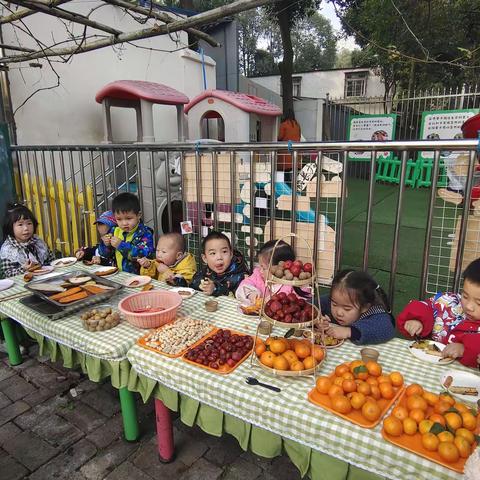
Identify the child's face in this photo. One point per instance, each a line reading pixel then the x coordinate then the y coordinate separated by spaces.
pixel 127 221
pixel 263 263
pixel 167 251
pixel 471 300
pixel 23 230
pixel 344 310
pixel 102 229
pixel 218 255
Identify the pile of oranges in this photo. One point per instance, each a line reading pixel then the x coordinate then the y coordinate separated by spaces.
pixel 360 386
pixel 288 354
pixel 445 426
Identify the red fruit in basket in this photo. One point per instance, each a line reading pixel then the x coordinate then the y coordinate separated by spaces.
pixel 308 267
pixel 268 312
pixel 292 297
pixel 287 264
pixel 280 314
pixel 231 362
pixel 275 306
pixel 288 318
pixel 214 365
pixel 284 301
pixel 297 263
pixel 296 270
pixel 281 295
pixel 237 356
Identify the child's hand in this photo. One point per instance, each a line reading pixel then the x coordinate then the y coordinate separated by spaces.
pixel 27 265
pixel 161 267
pixel 207 286
pixel 252 297
pixel 144 262
pixel 324 322
pixel 170 280
pixel 106 239
pixel 115 242
pixel 453 350
pixel 413 327
pixel 79 254
pixel 96 260
pixel 336 331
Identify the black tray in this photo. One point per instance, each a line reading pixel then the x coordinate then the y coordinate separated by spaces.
pixel 90 300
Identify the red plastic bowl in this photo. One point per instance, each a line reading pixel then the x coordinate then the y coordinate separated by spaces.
pixel 471 127
pixel 169 301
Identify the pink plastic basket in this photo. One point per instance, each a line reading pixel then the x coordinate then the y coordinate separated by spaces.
pixel 170 301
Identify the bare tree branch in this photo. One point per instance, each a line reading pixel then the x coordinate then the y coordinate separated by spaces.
pixel 59 13
pixel 13 47
pixel 25 12
pixel 194 21
pixel 164 17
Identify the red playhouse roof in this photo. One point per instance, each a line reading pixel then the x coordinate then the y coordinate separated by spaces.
pixel 247 103
pixel 138 89
pixel 471 127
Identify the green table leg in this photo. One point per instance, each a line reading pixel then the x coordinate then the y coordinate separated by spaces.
pixel 129 414
pixel 13 349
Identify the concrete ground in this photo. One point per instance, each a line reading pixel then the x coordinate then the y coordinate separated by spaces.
pixel 46 434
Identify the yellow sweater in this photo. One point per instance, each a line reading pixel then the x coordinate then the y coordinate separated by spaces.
pixel 185 269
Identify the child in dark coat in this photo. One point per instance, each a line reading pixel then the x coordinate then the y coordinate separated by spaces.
pixel 224 269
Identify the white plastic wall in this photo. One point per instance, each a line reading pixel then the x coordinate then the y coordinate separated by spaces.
pixel 69 114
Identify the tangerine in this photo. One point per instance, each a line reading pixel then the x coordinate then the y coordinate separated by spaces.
pixel 267 358
pixel 349 386
pixel 338 381
pixel 376 392
pixel 396 378
pixel 323 384
pixel 290 356
pixel 341 369
pixel 335 390
pixel 372 381
pixel 461 407
pixel 302 351
pixel 269 340
pixel 414 389
pixel 454 420
pixel 374 368
pixel 448 451
pixel 297 366
pixel 356 363
pixel 410 426
pixel 386 390
pixel 260 348
pixel 447 398
pixel 364 387
pixel 430 442
pixel 446 436
pixel 309 362
pixel 318 353
pixel 437 418
pixel 400 412
pixel 469 421
pixel 463 447
pixel 466 434
pixel 347 376
pixel 383 379
pixel 357 400
pixel 417 414
pixel 278 346
pixel 441 407
pixel 341 404
pixel 416 402
pixel 281 363
pixel 393 426
pixel 430 398
pixel 424 426
pixel 371 410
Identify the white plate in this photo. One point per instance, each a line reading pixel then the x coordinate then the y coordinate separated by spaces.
pixel 64 262
pixel 422 355
pixel 141 279
pixel 43 270
pixel 104 269
pixel 462 379
pixel 6 283
pixel 191 292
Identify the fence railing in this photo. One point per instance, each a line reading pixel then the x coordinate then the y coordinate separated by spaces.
pixel 241 190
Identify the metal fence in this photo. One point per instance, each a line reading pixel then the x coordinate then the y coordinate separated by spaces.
pixel 239 189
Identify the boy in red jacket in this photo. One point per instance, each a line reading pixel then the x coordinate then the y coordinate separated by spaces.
pixel 449 318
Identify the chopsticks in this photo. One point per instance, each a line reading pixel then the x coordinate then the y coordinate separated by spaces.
pixel 14 296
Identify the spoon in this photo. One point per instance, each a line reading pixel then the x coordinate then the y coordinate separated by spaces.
pixel 254 381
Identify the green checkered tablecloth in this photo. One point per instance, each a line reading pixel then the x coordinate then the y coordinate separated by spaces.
pixel 100 354
pixel 209 399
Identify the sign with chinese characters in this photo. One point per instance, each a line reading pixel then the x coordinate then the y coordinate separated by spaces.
pixel 443 125
pixel 371 128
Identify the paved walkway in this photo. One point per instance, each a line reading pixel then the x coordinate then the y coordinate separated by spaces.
pixel 46 433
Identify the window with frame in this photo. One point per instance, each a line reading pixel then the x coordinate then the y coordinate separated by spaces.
pixel 296 86
pixel 356 84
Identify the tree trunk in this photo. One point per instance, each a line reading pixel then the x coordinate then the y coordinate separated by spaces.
pixel 192 39
pixel 286 66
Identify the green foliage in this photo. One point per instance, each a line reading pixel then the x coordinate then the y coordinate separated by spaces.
pixel 416 44
pixel 344 58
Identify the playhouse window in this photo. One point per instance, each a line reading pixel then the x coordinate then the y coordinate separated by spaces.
pixel 356 84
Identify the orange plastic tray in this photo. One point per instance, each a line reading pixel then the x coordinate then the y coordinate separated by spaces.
pixel 223 369
pixel 355 416
pixel 413 443
pixel 142 342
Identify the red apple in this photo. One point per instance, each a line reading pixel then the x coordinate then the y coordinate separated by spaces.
pixel 275 306
pixel 296 269
pixel 287 264
pixel 297 263
pixel 308 267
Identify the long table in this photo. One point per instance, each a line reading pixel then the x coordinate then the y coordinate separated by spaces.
pixel 319 443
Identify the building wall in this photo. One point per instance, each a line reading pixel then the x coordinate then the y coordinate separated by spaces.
pixel 319 84
pixel 68 114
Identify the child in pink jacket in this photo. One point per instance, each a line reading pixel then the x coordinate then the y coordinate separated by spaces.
pixel 253 286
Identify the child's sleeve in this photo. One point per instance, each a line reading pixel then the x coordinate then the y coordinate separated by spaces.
pixel 151 271
pixel 377 328
pixel 105 251
pixel 417 310
pixel 9 268
pixel 325 306
pixel 50 257
pixel 471 344
pixel 197 278
pixel 247 286
pixel 229 285
pixel 183 274
pixel 141 246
